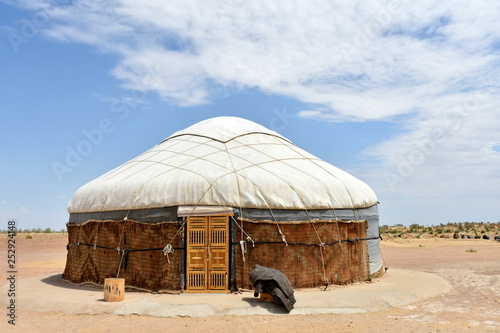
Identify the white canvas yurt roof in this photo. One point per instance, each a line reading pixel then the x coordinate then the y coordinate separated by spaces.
pixel 224 161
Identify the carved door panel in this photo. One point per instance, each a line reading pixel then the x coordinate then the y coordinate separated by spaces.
pixel 207 254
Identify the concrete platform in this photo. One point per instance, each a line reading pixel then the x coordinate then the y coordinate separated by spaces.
pixel 396 288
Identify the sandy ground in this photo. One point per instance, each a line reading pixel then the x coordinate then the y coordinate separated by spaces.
pixel 471 266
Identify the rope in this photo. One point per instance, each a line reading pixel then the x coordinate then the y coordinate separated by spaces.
pixel 128 250
pixel 243 246
pixel 185 221
pixel 121 235
pixel 325 279
pixel 168 249
pixel 79 234
pixel 242 232
pixel 249 239
pixel 237 186
pixel 321 247
pixel 338 230
pixel 350 240
pixel 283 239
pixel 96 233
pixel 321 167
pixel 120 264
pixel 267 205
pixel 119 250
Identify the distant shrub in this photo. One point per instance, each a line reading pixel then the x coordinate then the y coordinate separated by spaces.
pixel 29 237
pixel 414 226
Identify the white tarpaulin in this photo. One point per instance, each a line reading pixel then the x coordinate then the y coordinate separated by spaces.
pixel 203 210
pixel 228 162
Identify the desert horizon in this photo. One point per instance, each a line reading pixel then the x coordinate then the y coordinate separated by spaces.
pixel 472 267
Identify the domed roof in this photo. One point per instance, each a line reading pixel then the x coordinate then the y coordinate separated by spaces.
pixel 224 161
pixel 225 129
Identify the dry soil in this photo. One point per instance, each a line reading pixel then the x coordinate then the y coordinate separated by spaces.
pixel 471 266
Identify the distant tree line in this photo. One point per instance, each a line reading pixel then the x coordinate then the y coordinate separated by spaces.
pixel 37 231
pixel 474 228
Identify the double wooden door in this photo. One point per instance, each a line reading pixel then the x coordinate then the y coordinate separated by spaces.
pixel 207 246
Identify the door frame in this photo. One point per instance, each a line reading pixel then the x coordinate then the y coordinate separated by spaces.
pixel 205 254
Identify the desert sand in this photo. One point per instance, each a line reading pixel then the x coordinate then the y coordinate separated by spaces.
pixel 472 266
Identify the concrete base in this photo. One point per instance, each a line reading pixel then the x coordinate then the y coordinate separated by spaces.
pixel 396 288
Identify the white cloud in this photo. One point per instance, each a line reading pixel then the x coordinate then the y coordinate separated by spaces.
pixel 433 66
pixel 356 61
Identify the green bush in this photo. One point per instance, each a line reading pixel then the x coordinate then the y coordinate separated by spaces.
pixel 414 226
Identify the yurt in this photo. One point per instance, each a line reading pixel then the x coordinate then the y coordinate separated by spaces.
pixel 199 210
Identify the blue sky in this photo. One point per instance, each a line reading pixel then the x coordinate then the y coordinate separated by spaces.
pixel 404 96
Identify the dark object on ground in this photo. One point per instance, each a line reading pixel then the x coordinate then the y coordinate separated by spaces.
pixel 470 237
pixel 486 237
pixel 477 237
pixel 273 282
pixel 497 238
pixel 464 236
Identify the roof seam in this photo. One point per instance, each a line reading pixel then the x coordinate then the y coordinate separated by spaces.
pixel 226 141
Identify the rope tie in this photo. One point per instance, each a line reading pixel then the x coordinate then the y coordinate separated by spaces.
pixel 120 250
pixel 168 249
pixel 327 283
pixel 79 235
pixel 96 233
pixel 325 279
pixel 338 230
pixel 243 246
pixel 121 260
pixel 283 238
pixel 321 245
pixel 249 239
pixel 121 235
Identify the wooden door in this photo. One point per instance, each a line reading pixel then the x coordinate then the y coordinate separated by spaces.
pixel 207 254
pixel 196 253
